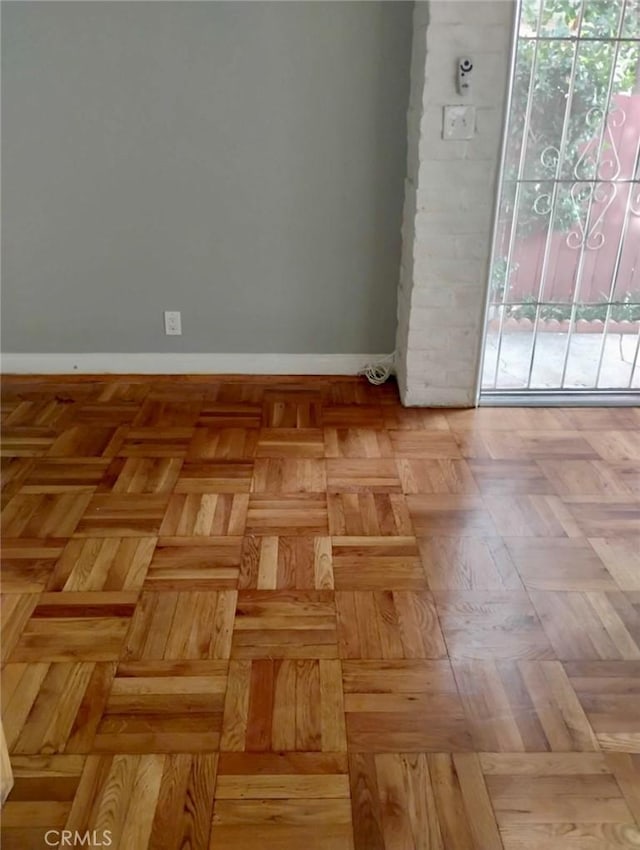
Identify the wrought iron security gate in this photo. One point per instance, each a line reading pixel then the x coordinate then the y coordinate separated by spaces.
pixel 563 311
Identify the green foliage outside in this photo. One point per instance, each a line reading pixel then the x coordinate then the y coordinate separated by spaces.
pixel 600 67
pixel 626 309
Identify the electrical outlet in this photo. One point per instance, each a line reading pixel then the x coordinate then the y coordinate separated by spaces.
pixel 458 122
pixel 172 323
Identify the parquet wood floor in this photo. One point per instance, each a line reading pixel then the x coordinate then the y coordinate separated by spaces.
pixel 284 613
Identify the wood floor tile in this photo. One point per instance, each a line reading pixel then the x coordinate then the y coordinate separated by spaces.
pixel 388 624
pixel 285 624
pixel 361 392
pixel 451 475
pixel 362 475
pixel 377 563
pixel 627 475
pixel 522 445
pixel 564 804
pixel 216 414
pixel 626 769
pixel 64 475
pixel 354 416
pixel 223 444
pixel 424 444
pixel 83 441
pixel 522 706
pixel 141 475
pixel 289 475
pixel 27 564
pixel 559 564
pixel 601 418
pixel 468 563
pixel 21 685
pixel 280 776
pixel 621 557
pixel 41 799
pixel 102 563
pixel 192 388
pixel 609 693
pixel 450 515
pixel 283 824
pixel 191 624
pixel 616 446
pixel 368 514
pixel 407 800
pixel 403 706
pixel 587 479
pixel 205 514
pixel 123 391
pixel 290 442
pixel 114 788
pixel 279 563
pixel 274 514
pixel 602 519
pixel 283 704
pixel 502 477
pixel 44 413
pixel 54 708
pixel 526 516
pixel 357 442
pixel 114 414
pixel 194 563
pixel 76 625
pixel 591 625
pixel 122 515
pixel 161 413
pixel 26 442
pixel 507 419
pixel 500 625
pixel 476 444
pixel 164 707
pixel 16 611
pixel 184 810
pixel 293 409
pixel 286 764
pixel 240 393
pixel 225 476
pixel 13 471
pixel 44 515
pixel 398 418
pixel 63 391
pixel 156 442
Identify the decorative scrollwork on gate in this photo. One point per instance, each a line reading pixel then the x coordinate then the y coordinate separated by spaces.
pixel 542 204
pixel 594 176
pixel 600 159
pixel 590 232
pixel 550 157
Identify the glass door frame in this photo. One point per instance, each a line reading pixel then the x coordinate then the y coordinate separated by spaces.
pixel 566 396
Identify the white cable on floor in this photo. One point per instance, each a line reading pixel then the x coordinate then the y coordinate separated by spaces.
pixel 378 373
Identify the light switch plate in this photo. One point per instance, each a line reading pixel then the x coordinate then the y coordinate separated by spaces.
pixel 458 122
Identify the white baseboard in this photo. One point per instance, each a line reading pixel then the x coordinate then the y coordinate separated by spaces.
pixel 185 364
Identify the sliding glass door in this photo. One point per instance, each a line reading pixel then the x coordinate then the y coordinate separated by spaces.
pixel 564 294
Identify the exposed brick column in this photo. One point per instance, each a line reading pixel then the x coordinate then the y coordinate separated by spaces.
pixel 449 199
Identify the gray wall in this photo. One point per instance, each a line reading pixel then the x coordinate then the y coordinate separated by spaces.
pixel 240 162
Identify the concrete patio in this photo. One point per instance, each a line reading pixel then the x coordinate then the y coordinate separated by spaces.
pixel 582 368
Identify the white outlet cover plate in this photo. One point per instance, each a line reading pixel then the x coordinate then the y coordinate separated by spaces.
pixel 458 122
pixel 172 323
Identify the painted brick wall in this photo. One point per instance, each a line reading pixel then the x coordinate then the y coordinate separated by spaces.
pixel 449 199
